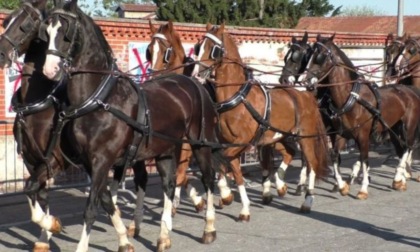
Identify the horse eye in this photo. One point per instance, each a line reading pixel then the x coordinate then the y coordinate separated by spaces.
pixel 412 50
pixel 320 58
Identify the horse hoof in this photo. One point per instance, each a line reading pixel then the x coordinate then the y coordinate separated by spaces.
pixel 305 209
pixel 282 191
pixel 244 218
pixel 163 244
pixel 226 201
pixel 418 179
pixel 41 247
pixel 126 248
pixel 267 198
pixel 209 237
pixel 56 226
pixel 300 189
pixel 133 232
pixel 345 190
pixel 200 206
pixel 362 195
pixel 399 185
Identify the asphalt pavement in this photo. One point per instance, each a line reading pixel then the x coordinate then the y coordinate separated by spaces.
pixel 387 221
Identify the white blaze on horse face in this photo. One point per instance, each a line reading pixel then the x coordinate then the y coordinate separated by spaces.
pixel 398 62
pixel 197 66
pixel 155 53
pixel 52 62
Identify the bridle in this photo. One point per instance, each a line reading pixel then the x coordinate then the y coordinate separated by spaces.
pixel 70 35
pixel 168 48
pixel 401 68
pixel 28 26
pixel 297 56
pixel 217 53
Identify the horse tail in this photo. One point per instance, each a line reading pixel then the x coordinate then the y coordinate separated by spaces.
pixel 321 148
pixel 219 160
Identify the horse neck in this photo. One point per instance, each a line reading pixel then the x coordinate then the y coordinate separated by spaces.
pixel 344 82
pixel 414 78
pixel 81 86
pixel 229 78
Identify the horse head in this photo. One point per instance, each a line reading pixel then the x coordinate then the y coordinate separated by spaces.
pixel 75 42
pixel 296 60
pixel 21 27
pixel 392 50
pixel 165 51
pixel 408 59
pixel 218 54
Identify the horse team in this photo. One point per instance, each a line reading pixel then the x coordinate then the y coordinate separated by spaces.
pixel 75 107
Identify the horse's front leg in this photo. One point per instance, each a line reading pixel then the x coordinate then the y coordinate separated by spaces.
pixel 166 166
pixel 287 153
pixel 244 215
pixel 338 145
pixel 400 181
pixel 363 144
pixel 38 203
pixel 266 161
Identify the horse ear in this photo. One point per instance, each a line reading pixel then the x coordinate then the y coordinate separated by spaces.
pixel 170 26
pixel 294 40
pixel 73 5
pixel 208 26
pixel 58 3
pixel 318 37
pixel 39 4
pixel 222 28
pixel 305 38
pixel 152 27
pixel 332 37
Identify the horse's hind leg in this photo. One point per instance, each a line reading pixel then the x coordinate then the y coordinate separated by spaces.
pixel 266 159
pixel 287 153
pixel 182 181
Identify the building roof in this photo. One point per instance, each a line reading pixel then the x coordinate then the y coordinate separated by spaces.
pixel 137 7
pixel 368 24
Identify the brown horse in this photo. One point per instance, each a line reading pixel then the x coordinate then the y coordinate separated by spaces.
pixel 252 114
pixel 364 109
pixel 166 54
pixel 393 48
pixel 113 120
pixel 407 62
pixel 296 61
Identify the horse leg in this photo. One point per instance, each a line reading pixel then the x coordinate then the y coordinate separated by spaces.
pixel 166 166
pixel 140 182
pixel 287 152
pixel 363 144
pixel 266 159
pixel 301 187
pixel 226 195
pixel 244 215
pixel 100 194
pixel 38 202
pixel 202 156
pixel 182 181
pixel 342 186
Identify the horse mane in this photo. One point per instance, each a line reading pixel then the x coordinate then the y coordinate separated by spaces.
pixel 229 42
pixel 98 32
pixel 174 39
pixel 353 74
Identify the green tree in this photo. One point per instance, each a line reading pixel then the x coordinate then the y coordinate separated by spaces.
pixel 264 13
pixel 358 11
pixel 9 4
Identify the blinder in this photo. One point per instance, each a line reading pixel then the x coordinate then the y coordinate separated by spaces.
pixel 166 57
pixel 148 55
pixel 297 56
pixel 197 47
pixel 413 50
pixel 320 58
pixel 42 32
pixel 216 52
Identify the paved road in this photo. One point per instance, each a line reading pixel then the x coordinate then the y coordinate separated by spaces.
pixel 387 221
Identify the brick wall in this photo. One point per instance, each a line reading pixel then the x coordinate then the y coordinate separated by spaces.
pixel 119 32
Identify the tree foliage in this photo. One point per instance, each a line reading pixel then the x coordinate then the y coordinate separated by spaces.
pixel 265 13
pixel 358 11
pixel 9 4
